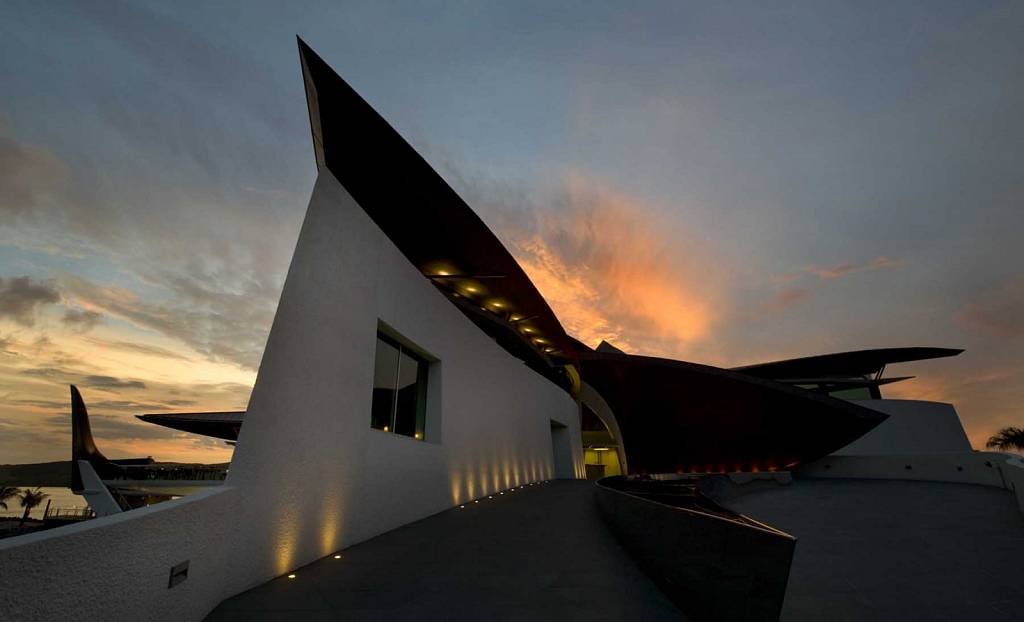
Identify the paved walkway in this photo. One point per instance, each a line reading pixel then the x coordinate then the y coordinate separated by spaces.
pixel 892 550
pixel 542 553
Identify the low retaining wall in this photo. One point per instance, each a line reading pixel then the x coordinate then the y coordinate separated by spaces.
pixel 983 468
pixel 714 566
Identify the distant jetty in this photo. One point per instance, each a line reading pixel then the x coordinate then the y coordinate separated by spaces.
pixel 57 474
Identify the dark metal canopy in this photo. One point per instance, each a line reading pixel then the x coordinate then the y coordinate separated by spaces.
pixel 683 417
pixel 429 223
pixel 843 364
pixel 223 425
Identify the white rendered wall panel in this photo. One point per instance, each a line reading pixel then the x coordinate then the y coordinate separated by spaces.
pixel 309 475
pixel 913 427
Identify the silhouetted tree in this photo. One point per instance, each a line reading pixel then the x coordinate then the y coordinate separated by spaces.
pixel 6 492
pixel 1007 438
pixel 29 500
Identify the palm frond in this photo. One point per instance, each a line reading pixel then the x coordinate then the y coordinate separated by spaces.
pixel 1007 439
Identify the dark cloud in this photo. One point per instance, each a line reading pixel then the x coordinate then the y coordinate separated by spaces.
pixel 110 382
pixel 48 404
pixel 47 372
pixel 139 348
pixel 117 427
pixel 999 312
pixel 66 376
pixel 222 325
pixel 128 405
pixel 81 319
pixel 5 345
pixel 27 176
pixel 21 297
pixel 786 299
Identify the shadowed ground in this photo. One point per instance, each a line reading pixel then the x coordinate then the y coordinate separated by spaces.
pixel 890 550
pixel 540 553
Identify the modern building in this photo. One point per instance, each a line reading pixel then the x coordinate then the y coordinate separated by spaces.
pixel 412 368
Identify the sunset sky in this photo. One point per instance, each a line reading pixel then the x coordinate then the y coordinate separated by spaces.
pixel 723 183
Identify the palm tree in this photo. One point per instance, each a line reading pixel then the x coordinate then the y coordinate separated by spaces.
pixel 29 500
pixel 1007 438
pixel 6 492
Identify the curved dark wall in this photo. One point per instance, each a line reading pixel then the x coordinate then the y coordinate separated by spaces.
pixel 684 417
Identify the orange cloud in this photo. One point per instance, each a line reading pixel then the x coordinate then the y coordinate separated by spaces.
pixel 834 272
pixel 611 270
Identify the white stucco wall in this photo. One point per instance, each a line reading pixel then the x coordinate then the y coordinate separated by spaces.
pixel 913 427
pixel 309 475
pixel 920 441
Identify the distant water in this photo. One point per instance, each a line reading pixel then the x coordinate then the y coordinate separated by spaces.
pixel 59 498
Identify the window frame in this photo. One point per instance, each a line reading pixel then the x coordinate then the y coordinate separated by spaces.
pixel 424 362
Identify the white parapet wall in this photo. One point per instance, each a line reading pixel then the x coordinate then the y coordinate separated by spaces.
pixel 309 475
pixel 922 441
pixel 913 427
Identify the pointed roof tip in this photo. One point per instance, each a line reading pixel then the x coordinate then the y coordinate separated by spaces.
pixel 607 348
pixel 308 55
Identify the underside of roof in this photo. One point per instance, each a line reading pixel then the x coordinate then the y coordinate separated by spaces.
pixel 429 223
pixel 843 364
pixel 223 425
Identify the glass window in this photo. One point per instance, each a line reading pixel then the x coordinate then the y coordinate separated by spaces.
pixel 399 389
pixel 385 376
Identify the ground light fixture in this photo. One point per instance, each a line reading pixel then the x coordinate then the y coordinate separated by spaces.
pixel 291 576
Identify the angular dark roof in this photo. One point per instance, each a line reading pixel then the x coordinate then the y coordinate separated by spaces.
pixel 676 416
pixel 843 364
pixel 429 223
pixel 223 425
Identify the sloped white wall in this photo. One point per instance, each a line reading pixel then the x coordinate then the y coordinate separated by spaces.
pixel 913 427
pixel 309 475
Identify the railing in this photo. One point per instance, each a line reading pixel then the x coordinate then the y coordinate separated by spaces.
pixel 68 514
pixel 149 473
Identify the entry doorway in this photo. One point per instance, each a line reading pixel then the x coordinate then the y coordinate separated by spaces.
pixel 561 449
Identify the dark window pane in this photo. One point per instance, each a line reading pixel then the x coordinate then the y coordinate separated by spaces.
pixel 385 377
pixel 410 394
